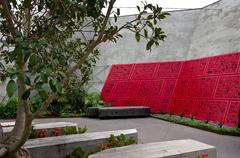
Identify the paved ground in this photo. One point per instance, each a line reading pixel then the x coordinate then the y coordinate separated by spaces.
pixel 153 130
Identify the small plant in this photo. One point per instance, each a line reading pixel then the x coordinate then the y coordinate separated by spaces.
pixel 42 133
pixel 74 130
pixel 57 131
pixel 82 130
pixel 93 100
pixel 78 153
pixel 117 141
pixel 10 109
pixel 204 155
pixel 220 129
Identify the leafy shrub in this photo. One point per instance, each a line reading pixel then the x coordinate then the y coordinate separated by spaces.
pixel 35 103
pixel 10 109
pixel 78 153
pixel 73 130
pixel 71 102
pixel 93 100
pixel 218 128
pixel 117 141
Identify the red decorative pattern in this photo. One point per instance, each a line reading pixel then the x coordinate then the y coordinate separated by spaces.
pixel 206 89
pixel 194 68
pixel 144 71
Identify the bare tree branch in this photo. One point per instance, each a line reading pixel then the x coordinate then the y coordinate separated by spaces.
pixel 93 43
pixel 8 16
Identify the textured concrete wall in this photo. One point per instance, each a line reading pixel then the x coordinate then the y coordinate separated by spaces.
pixel 178 28
pixel 212 30
pixel 217 31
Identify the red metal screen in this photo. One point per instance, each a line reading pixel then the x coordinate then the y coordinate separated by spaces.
pixel 206 89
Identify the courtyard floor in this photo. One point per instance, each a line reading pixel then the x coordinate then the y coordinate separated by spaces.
pixel 153 130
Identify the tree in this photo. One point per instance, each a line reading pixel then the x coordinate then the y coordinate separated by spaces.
pixel 39 50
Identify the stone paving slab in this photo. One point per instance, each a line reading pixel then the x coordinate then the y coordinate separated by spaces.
pixel 58 147
pixel 177 148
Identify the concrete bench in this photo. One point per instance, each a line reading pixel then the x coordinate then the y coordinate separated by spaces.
pixel 92 112
pixel 170 149
pixel 118 112
pixel 8 126
pixel 58 147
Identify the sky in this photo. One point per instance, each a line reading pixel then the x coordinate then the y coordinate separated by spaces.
pixel 163 3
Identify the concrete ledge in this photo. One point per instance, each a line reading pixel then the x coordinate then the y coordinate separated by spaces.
pixel 170 149
pixel 118 112
pixel 92 112
pixel 126 111
pixel 58 147
pixel 8 126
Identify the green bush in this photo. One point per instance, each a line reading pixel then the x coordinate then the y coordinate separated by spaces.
pixel 73 130
pixel 93 100
pixel 78 153
pixel 218 128
pixel 35 103
pixel 10 109
pixel 121 140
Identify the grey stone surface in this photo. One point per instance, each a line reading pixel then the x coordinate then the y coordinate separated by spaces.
pixel 118 112
pixel 92 112
pixel 170 149
pixel 125 111
pixel 58 147
pixel 154 130
pixel 36 126
pixel 52 125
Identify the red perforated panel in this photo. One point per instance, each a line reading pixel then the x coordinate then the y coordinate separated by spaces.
pixel 182 107
pixel 168 70
pixel 159 105
pixel 144 71
pixel 206 89
pixel 228 87
pixel 224 64
pixel 150 88
pixel 194 68
pixel 167 90
pixel 126 89
pixel 202 87
pixel 232 116
pixel 120 72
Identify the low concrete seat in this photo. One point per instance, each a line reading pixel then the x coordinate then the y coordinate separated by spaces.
pixel 59 146
pixel 170 149
pixel 118 112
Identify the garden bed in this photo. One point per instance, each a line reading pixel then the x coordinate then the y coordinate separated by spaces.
pixel 216 128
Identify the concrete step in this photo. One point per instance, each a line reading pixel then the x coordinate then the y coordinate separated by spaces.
pixel 170 149
pixel 8 126
pixel 58 147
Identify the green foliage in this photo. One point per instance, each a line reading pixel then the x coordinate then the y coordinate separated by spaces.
pixel 10 109
pixel 78 153
pixel 11 88
pixel 201 125
pixel 39 45
pixel 73 130
pixel 35 103
pixel 118 141
pixel 93 100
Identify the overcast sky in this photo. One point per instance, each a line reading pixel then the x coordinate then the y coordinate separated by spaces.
pixel 163 3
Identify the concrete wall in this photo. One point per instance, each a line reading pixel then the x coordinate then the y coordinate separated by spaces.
pixel 212 30
pixel 178 28
pixel 217 31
